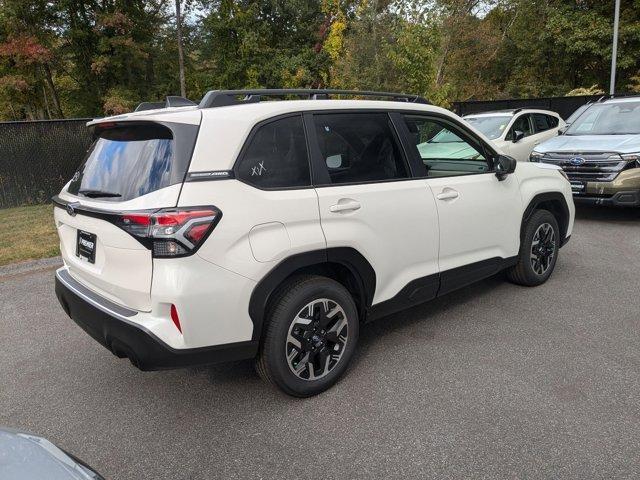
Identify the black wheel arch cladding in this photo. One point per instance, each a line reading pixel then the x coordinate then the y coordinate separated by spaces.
pixel 556 204
pixel 357 276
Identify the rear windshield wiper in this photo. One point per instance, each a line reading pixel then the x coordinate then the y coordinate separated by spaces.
pixel 98 194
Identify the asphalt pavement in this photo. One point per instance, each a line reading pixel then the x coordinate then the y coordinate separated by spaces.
pixel 492 382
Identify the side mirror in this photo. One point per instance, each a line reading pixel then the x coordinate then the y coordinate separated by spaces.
pixel 504 165
pixel 563 129
pixel 517 136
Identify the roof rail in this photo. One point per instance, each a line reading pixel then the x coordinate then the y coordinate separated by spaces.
pixel 222 98
pixel 171 101
pixel 532 107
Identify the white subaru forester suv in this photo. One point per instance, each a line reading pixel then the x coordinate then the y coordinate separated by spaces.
pixel 241 228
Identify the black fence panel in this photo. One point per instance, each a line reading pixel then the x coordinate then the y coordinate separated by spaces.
pixel 564 106
pixel 38 158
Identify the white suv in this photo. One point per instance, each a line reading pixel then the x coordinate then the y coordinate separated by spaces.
pixel 241 228
pixel 517 132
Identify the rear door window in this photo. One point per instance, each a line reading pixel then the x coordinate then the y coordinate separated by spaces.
pixel 359 147
pixel 544 122
pixel 540 122
pixel 276 156
pixel 128 161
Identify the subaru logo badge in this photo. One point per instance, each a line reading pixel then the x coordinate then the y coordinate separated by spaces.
pixel 577 161
pixel 71 209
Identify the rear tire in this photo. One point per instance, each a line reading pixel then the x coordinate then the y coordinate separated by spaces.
pixel 310 336
pixel 538 251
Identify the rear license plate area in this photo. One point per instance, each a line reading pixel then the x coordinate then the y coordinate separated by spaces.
pixel 86 246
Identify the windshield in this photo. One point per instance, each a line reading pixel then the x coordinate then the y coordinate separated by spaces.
pixel 445 136
pixel 491 126
pixel 126 162
pixel 577 113
pixel 608 119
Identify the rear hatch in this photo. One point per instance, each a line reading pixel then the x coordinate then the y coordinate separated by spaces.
pixel 133 169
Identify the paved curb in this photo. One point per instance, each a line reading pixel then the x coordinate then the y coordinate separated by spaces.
pixel 23 268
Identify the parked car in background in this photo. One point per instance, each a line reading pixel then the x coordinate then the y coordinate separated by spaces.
pixel 517 132
pixel 25 456
pixel 272 230
pixel 600 153
pixel 574 116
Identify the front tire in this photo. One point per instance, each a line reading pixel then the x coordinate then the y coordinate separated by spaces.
pixel 311 333
pixel 538 251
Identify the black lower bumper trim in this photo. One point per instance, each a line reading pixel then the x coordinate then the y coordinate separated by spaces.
pixel 127 339
pixel 630 198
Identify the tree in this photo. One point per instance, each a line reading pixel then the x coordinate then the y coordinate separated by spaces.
pixel 251 43
pixel 28 52
pixel 96 57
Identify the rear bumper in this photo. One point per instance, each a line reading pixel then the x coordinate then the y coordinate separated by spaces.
pixel 627 198
pixel 112 326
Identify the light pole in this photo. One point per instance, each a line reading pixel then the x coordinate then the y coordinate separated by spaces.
pixel 614 50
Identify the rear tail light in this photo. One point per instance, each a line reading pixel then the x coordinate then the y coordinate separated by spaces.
pixel 174 232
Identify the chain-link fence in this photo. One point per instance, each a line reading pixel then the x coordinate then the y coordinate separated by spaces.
pixel 38 158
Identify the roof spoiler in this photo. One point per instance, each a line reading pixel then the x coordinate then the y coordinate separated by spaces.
pixel 171 101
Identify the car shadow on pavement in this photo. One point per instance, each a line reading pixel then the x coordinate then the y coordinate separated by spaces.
pixel 371 334
pixel 607 214
pixel 426 316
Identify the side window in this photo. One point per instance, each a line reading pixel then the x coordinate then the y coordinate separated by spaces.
pixel 541 122
pixel 445 150
pixel 552 121
pixel 276 156
pixel 359 147
pixel 522 124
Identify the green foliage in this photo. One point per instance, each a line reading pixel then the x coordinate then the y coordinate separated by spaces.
pixel 95 57
pixel 592 90
pixel 262 43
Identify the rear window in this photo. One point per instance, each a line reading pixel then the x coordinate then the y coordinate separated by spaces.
pixel 276 156
pixel 128 161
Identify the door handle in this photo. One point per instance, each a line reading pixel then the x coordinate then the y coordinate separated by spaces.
pixel 345 206
pixel 447 194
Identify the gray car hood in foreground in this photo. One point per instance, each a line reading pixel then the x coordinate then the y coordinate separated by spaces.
pixel 24 456
pixel 591 143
